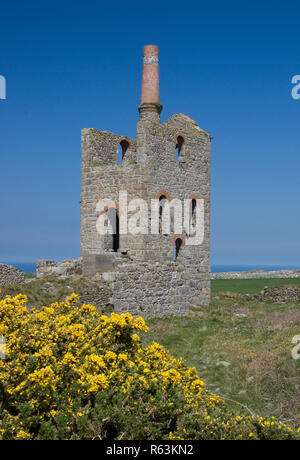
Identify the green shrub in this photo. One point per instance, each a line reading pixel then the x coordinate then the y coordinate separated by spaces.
pixel 72 373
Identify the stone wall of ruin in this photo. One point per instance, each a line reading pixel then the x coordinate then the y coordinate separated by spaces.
pixel 10 275
pixel 149 280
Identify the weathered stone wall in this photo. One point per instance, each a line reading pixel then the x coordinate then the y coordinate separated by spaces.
pixel 190 176
pixel 280 294
pixel 72 267
pixel 149 170
pixel 100 296
pixel 256 274
pixel 103 178
pixel 10 275
pixel 154 289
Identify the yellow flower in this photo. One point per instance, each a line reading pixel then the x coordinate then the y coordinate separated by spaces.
pixel 122 357
pixel 65 353
pixel 22 435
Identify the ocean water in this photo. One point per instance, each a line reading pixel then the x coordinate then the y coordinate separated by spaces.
pixel 30 267
pixel 26 267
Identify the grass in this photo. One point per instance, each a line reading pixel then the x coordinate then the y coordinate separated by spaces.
pixel 61 288
pixel 262 374
pixel 29 276
pixel 250 286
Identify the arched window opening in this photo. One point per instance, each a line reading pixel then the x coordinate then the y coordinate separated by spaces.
pixel 193 213
pixel 177 246
pixel 179 145
pixel 162 202
pixel 123 146
pixel 113 218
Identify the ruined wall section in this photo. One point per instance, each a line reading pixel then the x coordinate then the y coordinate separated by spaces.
pixel 10 275
pixel 146 279
pixel 190 176
pixel 103 177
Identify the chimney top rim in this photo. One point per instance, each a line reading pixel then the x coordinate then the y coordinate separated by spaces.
pixel 150 50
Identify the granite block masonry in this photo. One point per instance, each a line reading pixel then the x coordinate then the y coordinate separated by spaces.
pixel 166 161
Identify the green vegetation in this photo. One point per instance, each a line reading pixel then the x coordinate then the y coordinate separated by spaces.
pixel 262 374
pixel 253 337
pixel 29 276
pixel 251 286
pixel 72 373
pixel 157 105
pixel 39 294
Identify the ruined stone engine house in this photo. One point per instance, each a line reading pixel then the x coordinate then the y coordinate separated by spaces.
pixel 148 274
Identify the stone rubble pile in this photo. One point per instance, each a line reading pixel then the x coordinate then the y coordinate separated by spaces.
pixel 10 275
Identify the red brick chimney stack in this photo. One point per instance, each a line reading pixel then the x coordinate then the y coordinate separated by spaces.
pixel 150 107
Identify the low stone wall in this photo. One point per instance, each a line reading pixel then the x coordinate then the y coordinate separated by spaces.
pixel 280 294
pixel 255 274
pixel 10 275
pixel 65 269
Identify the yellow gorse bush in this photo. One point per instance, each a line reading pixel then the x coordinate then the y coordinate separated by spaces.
pixel 67 349
pixel 59 359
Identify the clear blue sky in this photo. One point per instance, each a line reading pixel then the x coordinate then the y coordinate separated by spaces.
pixel 228 65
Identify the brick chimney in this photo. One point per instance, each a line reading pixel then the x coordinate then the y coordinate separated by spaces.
pixel 150 107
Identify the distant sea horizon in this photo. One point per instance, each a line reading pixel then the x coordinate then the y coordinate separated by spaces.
pixel 30 267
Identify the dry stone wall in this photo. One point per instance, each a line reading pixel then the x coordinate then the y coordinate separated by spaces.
pixel 256 274
pixel 10 275
pixel 280 294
